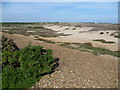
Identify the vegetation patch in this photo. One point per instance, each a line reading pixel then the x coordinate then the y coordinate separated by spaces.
pixel 37 27
pixel 74 29
pixel 117 36
pixel 103 41
pixel 66 28
pixel 44 40
pixel 23 28
pixel 88 47
pixel 23 68
pixel 101 32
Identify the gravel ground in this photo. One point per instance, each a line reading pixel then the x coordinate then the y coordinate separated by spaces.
pixel 76 69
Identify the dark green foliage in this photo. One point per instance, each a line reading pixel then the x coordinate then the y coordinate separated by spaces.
pixel 8 45
pixel 23 68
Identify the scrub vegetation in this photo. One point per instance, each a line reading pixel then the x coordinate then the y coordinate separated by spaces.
pixel 22 68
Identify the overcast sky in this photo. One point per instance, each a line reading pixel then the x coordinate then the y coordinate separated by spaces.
pixel 60 12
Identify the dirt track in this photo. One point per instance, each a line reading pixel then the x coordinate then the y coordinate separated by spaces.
pixel 77 69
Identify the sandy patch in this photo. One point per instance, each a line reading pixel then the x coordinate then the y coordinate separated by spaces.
pixel 31 31
pixel 84 34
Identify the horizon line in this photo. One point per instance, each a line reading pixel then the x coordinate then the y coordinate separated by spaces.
pixel 57 22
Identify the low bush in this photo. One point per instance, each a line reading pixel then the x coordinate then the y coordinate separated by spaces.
pixel 107 32
pixel 66 28
pixel 23 68
pixel 8 45
pixel 74 29
pixel 101 32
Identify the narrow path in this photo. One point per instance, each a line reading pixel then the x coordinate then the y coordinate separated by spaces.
pixel 77 69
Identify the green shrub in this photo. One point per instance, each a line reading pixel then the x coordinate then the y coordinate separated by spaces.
pixel 23 68
pixel 8 44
